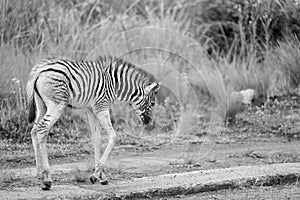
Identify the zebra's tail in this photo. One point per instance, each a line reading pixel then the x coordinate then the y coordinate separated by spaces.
pixel 30 97
pixel 31 86
pixel 30 90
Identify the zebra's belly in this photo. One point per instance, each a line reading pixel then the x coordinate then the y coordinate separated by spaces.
pixel 79 105
pixel 95 103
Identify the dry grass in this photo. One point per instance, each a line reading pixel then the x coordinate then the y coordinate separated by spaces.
pixel 204 75
pixel 79 175
pixel 6 177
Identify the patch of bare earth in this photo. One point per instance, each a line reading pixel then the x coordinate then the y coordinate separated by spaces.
pixel 129 162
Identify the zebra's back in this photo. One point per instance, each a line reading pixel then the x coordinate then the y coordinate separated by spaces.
pixel 76 83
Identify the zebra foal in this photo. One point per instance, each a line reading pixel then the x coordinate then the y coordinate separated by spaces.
pixel 90 87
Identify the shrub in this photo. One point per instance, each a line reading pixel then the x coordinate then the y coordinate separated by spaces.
pixel 239 27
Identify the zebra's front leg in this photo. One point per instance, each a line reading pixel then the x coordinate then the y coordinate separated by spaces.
pixel 104 119
pixel 96 140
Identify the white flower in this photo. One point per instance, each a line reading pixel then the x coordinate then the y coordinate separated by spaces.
pixel 15 80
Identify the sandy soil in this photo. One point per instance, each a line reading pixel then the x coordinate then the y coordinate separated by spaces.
pixel 126 164
pixel 183 154
pixel 291 192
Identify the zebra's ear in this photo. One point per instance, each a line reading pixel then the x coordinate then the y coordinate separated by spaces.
pixel 153 87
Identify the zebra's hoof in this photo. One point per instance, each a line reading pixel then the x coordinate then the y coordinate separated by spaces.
pixel 93 179
pixel 103 178
pixel 104 182
pixel 47 185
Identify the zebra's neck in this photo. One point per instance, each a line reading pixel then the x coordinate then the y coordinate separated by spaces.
pixel 128 80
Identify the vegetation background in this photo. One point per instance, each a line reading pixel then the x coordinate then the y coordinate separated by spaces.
pixel 253 43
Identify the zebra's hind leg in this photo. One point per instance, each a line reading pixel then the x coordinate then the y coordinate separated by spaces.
pixel 40 112
pixel 104 119
pixel 53 113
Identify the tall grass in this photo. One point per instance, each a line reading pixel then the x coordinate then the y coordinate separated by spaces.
pixel 288 55
pixel 239 47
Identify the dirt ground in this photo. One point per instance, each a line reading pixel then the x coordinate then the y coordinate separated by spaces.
pixel 291 192
pixel 125 163
pixel 244 144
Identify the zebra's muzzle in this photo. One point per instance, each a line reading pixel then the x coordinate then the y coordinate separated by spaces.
pixel 150 126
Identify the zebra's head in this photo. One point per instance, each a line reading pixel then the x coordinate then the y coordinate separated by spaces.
pixel 145 106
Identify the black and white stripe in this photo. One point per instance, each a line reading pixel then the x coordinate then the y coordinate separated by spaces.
pixel 92 83
pixel 92 86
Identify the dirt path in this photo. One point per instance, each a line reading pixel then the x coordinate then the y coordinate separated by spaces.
pixel 286 192
pixel 176 158
pixel 167 185
pixel 128 169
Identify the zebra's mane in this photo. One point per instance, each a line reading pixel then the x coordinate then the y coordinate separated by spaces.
pixel 108 60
